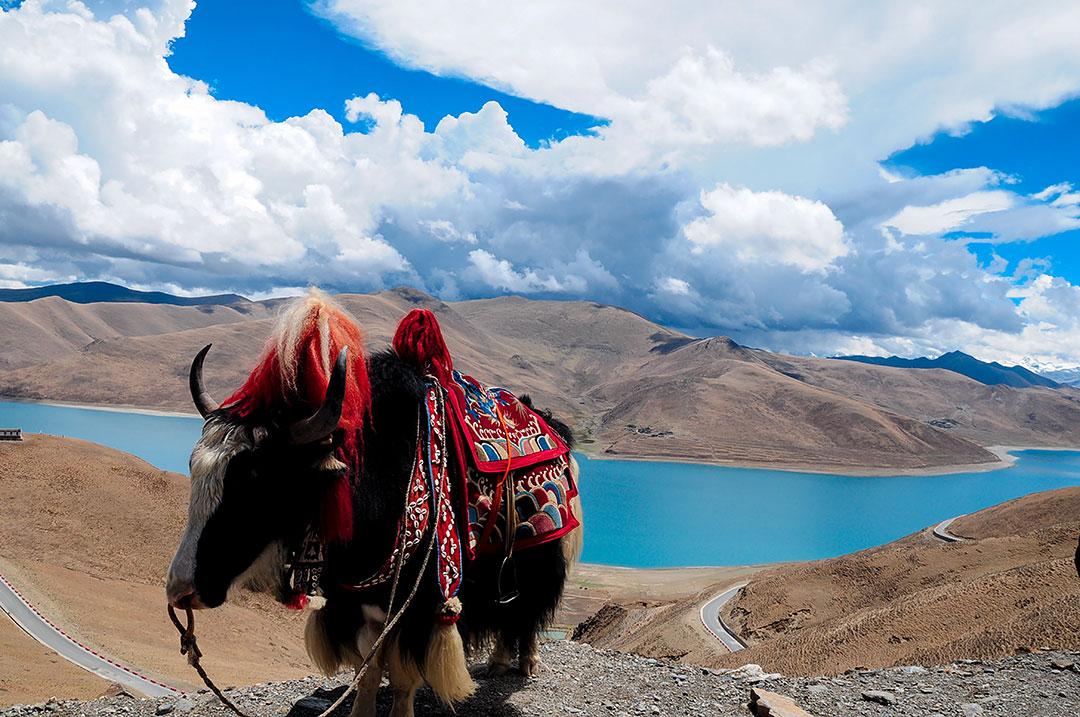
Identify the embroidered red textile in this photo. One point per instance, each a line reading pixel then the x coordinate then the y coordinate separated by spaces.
pixel 497 426
pixel 495 436
pixel 429 497
pixel 543 496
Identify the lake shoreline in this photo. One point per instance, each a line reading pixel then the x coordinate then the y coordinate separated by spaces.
pixel 1002 452
pixel 108 407
pixel 1004 459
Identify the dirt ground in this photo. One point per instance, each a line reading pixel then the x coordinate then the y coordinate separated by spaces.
pixel 87 532
pixel 31 672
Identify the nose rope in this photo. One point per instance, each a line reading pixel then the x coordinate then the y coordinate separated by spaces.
pixel 189 647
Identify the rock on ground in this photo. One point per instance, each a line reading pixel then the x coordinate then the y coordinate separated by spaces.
pixel 580 680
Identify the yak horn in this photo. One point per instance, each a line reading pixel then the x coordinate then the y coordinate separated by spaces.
pixel 325 421
pixel 203 402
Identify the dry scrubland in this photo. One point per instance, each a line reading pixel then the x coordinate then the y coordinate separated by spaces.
pixel 1011 587
pixel 630 387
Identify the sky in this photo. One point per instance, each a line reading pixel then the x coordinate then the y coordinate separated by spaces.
pixel 826 178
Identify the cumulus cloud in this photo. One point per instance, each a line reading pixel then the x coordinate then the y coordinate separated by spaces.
pixel 769 227
pixel 501 274
pixel 735 186
pixel 949 214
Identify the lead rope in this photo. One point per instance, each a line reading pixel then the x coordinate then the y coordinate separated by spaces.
pixel 189 647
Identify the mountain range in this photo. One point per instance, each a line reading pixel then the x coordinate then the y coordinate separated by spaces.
pixel 630 388
pixel 89 292
pixel 991 374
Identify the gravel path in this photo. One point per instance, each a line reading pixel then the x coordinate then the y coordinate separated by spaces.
pixel 580 680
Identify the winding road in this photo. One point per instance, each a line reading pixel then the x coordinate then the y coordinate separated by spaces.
pixel 41 629
pixel 941 530
pixel 710 611
pixel 710 618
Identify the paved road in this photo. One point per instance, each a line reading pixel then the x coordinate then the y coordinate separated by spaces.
pixel 941 531
pixel 38 627
pixel 710 617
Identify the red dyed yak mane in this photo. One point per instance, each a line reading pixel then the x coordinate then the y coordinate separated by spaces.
pixel 290 381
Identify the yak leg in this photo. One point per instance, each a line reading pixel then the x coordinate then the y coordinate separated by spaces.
pixel 364 704
pixel 499 662
pixel 368 688
pixel 405 679
pixel 529 659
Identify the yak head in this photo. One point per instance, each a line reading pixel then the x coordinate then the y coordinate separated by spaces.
pixel 256 487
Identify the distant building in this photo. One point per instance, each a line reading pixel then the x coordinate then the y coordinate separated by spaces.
pixel 10 434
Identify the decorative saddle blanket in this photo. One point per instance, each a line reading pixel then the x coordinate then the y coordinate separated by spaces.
pixel 504 450
pixel 497 427
pixel 510 447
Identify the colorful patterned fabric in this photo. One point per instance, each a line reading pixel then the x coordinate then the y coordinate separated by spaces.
pixel 542 499
pixel 429 495
pixel 489 419
pixel 497 426
pixel 499 445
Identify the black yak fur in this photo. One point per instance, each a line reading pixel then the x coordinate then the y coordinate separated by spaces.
pixel 389 447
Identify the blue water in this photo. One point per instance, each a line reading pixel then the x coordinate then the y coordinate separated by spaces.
pixel 645 514
pixel 163 441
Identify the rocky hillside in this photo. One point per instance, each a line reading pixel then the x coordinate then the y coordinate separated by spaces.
pixel 579 680
pixel 630 387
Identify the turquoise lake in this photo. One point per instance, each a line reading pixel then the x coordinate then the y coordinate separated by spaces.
pixel 644 514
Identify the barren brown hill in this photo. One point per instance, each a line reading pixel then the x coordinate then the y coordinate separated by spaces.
pixel 630 387
pixel 663 409
pixel 44 330
pixel 915 601
pixel 30 671
pixel 988 415
pixel 86 533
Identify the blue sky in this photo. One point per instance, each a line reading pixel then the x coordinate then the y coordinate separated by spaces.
pixel 287 60
pixel 813 178
pixel 1036 149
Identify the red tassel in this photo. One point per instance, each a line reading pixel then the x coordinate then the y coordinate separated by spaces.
pixel 298 601
pixel 419 341
pixel 336 523
pixel 264 396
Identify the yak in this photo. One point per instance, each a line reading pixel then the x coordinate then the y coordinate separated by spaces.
pixel 316 448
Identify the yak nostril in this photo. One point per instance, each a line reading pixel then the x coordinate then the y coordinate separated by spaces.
pixel 181 595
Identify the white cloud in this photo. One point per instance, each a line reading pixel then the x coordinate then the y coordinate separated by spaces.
pixel 445 231
pixel 769 227
pixel 890 72
pixel 949 214
pixel 501 274
pixel 673 285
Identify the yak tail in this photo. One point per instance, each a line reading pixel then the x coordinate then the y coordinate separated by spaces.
pixel 445 668
pixel 574 541
pixel 320 648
